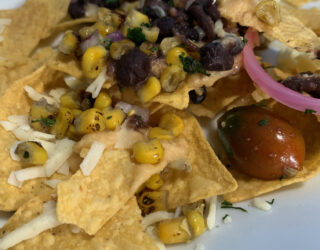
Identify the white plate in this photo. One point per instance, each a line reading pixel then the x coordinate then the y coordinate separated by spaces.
pixel 293 223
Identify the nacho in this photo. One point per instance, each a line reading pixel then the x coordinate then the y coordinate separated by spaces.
pixel 290 30
pixel 308 125
pixel 123 231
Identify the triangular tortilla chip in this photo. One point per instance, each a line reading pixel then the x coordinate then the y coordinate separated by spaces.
pixel 309 126
pixel 123 231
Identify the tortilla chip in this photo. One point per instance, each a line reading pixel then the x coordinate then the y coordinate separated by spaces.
pixel 72 23
pixel 123 231
pixel 89 202
pixel 29 24
pixel 223 93
pixel 208 176
pixel 291 31
pixel 299 3
pixel 309 126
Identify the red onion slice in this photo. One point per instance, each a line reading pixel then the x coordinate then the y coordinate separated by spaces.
pixel 90 41
pixel 115 36
pixel 274 89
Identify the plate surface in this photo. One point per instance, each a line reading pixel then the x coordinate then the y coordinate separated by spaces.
pixel 293 223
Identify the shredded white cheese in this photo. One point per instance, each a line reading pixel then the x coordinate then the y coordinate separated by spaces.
pixel 92 158
pixel 62 152
pixel 57 40
pixel 13 148
pixel 57 93
pixel 29 173
pixel 261 204
pixel 64 169
pixel 218 29
pixel 95 87
pixel 39 224
pixel 227 219
pixel 91 9
pixel 73 83
pixel 19 119
pixel 177 212
pixel 211 207
pixel 181 164
pixel 52 183
pixel 12 180
pixel 25 133
pixel 8 126
pixel 156 217
pixel 35 96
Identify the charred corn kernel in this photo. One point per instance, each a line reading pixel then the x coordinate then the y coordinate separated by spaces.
pixel 152 201
pixel 169 43
pixel 149 48
pixel 93 60
pixel 63 121
pixel 150 89
pixel 39 112
pixel 268 11
pixel 31 153
pixel 136 18
pixel 196 222
pixel 150 152
pixel 160 134
pixel 154 182
pixel 90 121
pixel 172 231
pixel 171 78
pixel 104 29
pixel 114 118
pixel 172 122
pixel 69 42
pixel 151 33
pixel 124 29
pixel 76 112
pixel 118 49
pixel 173 56
pixel 72 133
pixel 103 101
pixel 86 31
pixel 195 55
pixel 70 100
pixel 108 17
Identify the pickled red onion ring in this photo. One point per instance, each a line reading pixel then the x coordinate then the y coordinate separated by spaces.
pixel 274 89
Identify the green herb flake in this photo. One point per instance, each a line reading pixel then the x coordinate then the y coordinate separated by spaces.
pixel 245 40
pixel 262 103
pixel 171 3
pixel 191 65
pixel 49 122
pixel 226 204
pixel 309 111
pixel 270 202
pixel 226 215
pixel 108 44
pixel 145 25
pixel 110 2
pixel 26 155
pixel 263 122
pixel 109 117
pixel 136 35
pixel 154 49
pixel 281 178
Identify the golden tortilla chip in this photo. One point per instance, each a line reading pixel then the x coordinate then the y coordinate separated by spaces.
pixel 29 24
pixel 309 126
pixel 299 3
pixel 291 31
pixel 72 23
pixel 223 93
pixel 123 231
pixel 208 176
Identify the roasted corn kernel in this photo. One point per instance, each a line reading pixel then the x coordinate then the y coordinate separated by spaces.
pixel 72 133
pixel 172 122
pixel 136 18
pixel 63 121
pixel 31 153
pixel 90 121
pixel 173 231
pixel 118 49
pixel 86 31
pixel 149 48
pixel 40 112
pixel 103 101
pixel 196 222
pixel 173 56
pixel 114 118
pixel 93 60
pixel 150 89
pixel 151 34
pixel 108 17
pixel 154 182
pixel 171 78
pixel 76 112
pixel 69 43
pixel 268 11
pixel 70 100
pixel 160 134
pixel 104 29
pixel 169 43
pixel 150 152
pixel 152 201
pixel 126 7
pixel 124 29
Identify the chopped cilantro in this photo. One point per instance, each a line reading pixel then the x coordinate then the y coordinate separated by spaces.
pixel 111 2
pixel 120 89
pixel 226 204
pixel 108 44
pixel 309 111
pixel 45 121
pixel 245 40
pixel 270 202
pixel 171 3
pixel 268 67
pixel 145 25
pixel 281 177
pixel 262 103
pixel 226 215
pixel 191 65
pixel 26 154
pixel 109 117
pixel 136 35
pixel 263 122
pixel 154 49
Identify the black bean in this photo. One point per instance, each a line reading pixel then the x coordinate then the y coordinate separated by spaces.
pixel 233 44
pixel 215 57
pixel 199 95
pixel 212 10
pixel 165 24
pixel 76 9
pixel 133 69
pixel 135 122
pixel 192 34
